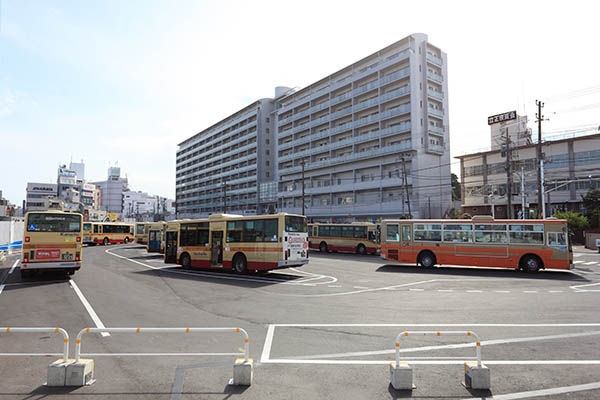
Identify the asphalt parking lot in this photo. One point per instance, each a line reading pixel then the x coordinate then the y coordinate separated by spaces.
pixel 325 330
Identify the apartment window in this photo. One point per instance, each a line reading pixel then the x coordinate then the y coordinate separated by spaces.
pixel 421 102
pixel 267 130
pixel 268 152
pixel 268 120
pixel 267 141
pixel 419 68
pixel 267 174
pixel 268 163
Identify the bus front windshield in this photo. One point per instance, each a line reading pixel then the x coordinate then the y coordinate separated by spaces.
pixel 295 224
pixel 53 223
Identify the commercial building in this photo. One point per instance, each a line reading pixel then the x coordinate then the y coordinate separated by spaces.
pixel 223 167
pixel 38 194
pixel 571 168
pixel 372 141
pixel 112 191
pixel 144 207
pixel 373 137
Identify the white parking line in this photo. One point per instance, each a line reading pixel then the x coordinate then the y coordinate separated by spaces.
pixel 591 263
pixel 1 288
pixel 474 291
pixel 502 291
pixel 13 267
pixel 547 392
pixel 445 290
pixel 416 290
pixel 530 291
pixel 88 307
pixel 577 262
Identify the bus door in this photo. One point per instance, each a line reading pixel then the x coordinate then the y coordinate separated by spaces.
pixel 405 233
pixel 216 248
pixel 171 248
pixel 154 241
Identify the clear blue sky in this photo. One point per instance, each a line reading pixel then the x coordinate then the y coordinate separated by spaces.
pixel 126 81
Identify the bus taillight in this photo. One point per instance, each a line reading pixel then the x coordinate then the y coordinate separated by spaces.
pixel 25 259
pixel 79 238
pixel 27 239
pixel 77 256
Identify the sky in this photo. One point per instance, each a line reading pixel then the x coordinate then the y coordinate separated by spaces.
pixel 123 82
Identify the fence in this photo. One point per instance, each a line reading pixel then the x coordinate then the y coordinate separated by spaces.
pixel 11 235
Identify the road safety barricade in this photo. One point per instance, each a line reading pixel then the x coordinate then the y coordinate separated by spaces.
pixel 477 375
pixel 81 371
pixel 56 370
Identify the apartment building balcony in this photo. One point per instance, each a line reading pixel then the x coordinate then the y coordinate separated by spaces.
pixel 219 156
pixel 437 113
pixel 213 138
pixel 436 148
pixel 435 95
pixel 346 210
pixel 435 77
pixel 351 157
pixel 233 142
pixel 346 142
pixel 434 60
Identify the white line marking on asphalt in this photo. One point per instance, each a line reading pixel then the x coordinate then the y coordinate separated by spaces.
pixel 88 307
pixel 577 254
pixel 474 291
pixel 447 346
pixel 577 287
pixel 445 290
pixel 530 291
pixel 416 290
pixel 502 291
pixel 556 291
pixel 577 262
pixel 334 285
pixel 13 267
pixel 433 362
pixel 546 392
pixel 590 263
pixel 266 353
pixel 557 325
pixel 1 288
pixel 360 287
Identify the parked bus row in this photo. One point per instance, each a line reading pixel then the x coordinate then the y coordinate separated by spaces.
pixel 106 233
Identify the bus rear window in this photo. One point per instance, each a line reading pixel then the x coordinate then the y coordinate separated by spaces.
pixel 53 223
pixel 295 224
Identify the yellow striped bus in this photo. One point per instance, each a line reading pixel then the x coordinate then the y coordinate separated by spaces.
pixel 155 237
pixel 106 233
pixel 51 242
pixel 357 237
pixel 239 243
pixel 141 232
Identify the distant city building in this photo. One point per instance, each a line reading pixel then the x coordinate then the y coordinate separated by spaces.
pixel 38 194
pixel 372 140
pixel 142 206
pixel 79 169
pixel 515 129
pixel 112 191
pixel 570 169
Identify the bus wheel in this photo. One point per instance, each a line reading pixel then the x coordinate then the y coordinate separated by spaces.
pixel 239 264
pixel 323 247
pixel 126 240
pixel 186 261
pixel 105 242
pixel 530 263
pixel 71 272
pixel 427 259
pixel 25 274
pixel 360 249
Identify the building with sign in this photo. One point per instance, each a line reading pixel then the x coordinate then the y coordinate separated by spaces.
pixel 38 194
pixel 571 168
pixel 511 126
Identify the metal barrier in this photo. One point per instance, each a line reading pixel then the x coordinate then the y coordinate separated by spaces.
pixel 65 352
pixel 159 330
pixel 437 333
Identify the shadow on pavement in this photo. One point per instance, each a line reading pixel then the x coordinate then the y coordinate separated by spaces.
pixel 79 392
pixel 482 272
pixel 408 394
pixel 226 277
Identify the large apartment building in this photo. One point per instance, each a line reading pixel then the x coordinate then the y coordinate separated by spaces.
pixel 223 167
pixel 356 132
pixel 371 140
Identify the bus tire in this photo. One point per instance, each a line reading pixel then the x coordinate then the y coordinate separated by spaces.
pixel 531 263
pixel 323 247
pixel 186 261
pixel 427 259
pixel 25 274
pixel 105 241
pixel 361 249
pixel 71 272
pixel 239 264
pixel 126 240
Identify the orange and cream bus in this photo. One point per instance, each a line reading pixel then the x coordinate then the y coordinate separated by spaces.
pixel 357 237
pixel 87 233
pixel 257 243
pixel 529 245
pixel 141 232
pixel 51 242
pixel 106 233
pixel 155 237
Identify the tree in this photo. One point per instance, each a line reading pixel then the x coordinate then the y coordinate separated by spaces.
pixel 591 202
pixel 575 221
pixel 456 194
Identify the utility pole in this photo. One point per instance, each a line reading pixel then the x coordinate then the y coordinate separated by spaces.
pixel 429 206
pixel 540 158
pixel 224 197
pixel 303 187
pixel 523 193
pixel 509 181
pixel 406 187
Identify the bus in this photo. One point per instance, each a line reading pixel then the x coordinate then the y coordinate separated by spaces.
pixel 529 245
pixel 141 232
pixel 239 243
pixel 357 237
pixel 51 242
pixel 87 233
pixel 156 237
pixel 106 233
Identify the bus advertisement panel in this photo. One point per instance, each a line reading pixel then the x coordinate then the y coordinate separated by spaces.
pixel 358 237
pixel 256 243
pixel 106 233
pixel 529 245
pixel 51 242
